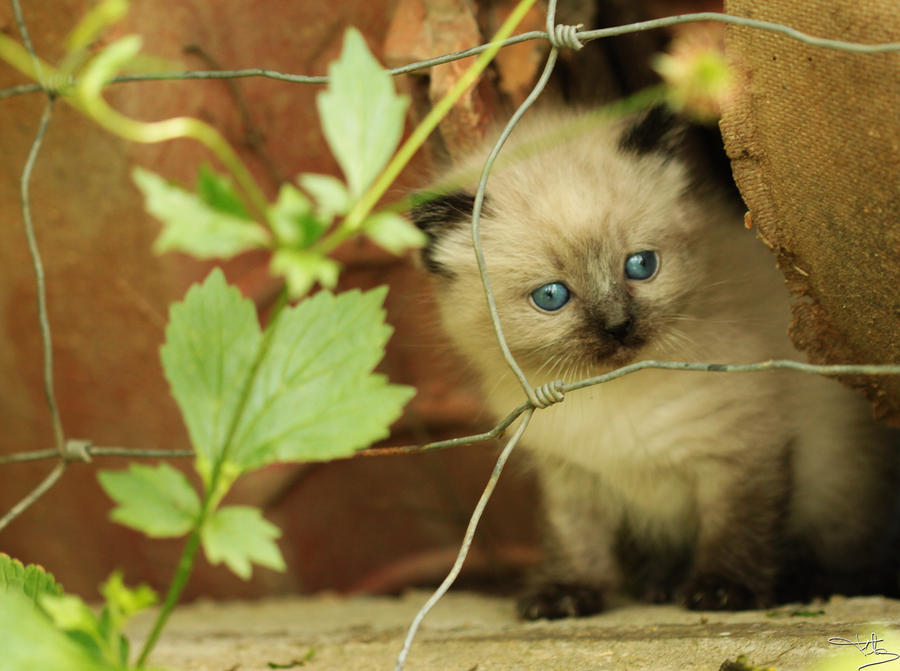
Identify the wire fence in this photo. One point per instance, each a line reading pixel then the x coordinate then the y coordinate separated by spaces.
pixel 67 450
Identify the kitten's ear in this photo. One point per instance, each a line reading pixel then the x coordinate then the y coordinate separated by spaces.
pixel 438 215
pixel 656 131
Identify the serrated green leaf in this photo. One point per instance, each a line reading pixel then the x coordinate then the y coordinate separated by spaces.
pixel 293 220
pixel 304 392
pixel 313 395
pixel 393 232
pixel 219 193
pixel 157 500
pixel 239 536
pixel 192 226
pixel 31 581
pixel 32 643
pixel 212 338
pixel 330 193
pixel 361 114
pixel 302 269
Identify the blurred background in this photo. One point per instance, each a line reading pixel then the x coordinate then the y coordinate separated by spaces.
pixel 369 524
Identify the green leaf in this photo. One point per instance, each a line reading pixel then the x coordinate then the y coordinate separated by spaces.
pixel 122 601
pixel 157 500
pixel 219 193
pixel 100 635
pixel 32 643
pixel 70 613
pixel 212 339
pixel 191 225
pixel 313 395
pixel 31 581
pixel 393 232
pixel 239 535
pixel 304 391
pixel 361 114
pixel 293 220
pixel 302 269
pixel 330 193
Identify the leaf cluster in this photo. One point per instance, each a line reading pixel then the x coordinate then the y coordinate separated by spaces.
pixel 249 396
pixel 252 397
pixel 362 120
pixel 49 630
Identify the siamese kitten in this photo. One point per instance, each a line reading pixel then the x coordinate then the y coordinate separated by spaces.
pixel 725 491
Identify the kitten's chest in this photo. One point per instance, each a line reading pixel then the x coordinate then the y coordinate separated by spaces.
pixel 643 465
pixel 641 424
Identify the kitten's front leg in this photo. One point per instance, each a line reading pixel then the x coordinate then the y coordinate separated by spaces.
pixel 579 568
pixel 551 600
pixel 743 508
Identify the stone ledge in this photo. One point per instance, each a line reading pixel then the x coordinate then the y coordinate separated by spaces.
pixel 467 631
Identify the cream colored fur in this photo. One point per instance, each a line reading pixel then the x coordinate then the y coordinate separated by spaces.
pixel 674 453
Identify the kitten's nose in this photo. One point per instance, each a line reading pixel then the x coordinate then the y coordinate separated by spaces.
pixel 619 331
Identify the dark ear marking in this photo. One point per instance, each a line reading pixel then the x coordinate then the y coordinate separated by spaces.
pixel 657 131
pixel 432 212
pixel 438 214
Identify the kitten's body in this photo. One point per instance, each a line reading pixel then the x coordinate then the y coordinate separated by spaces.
pixel 695 485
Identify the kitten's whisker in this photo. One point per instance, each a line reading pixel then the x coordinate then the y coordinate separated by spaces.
pixel 546 364
pixel 717 320
pixel 675 343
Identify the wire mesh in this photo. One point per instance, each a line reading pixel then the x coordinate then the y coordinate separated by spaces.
pixel 536 399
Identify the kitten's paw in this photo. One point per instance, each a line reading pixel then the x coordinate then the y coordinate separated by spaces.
pixel 553 601
pixel 713 592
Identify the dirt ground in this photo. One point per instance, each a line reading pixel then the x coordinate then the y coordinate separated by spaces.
pixel 469 632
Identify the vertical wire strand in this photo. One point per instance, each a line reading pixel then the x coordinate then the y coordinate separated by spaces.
pixel 26 40
pixel 476 219
pixel 498 329
pixel 467 540
pixel 44 319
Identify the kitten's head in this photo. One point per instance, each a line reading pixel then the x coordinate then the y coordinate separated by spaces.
pixel 588 237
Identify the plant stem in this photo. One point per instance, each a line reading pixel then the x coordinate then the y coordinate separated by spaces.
pixel 214 493
pixel 97 109
pixel 182 127
pixel 431 120
pixel 182 573
pixel 364 205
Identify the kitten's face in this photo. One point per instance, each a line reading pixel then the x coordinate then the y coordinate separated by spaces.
pixel 589 251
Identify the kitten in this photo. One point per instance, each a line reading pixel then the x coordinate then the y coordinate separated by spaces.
pixel 704 487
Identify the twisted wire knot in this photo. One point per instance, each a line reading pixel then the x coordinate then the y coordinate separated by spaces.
pixel 565 36
pixel 549 393
pixel 77 450
pixel 57 83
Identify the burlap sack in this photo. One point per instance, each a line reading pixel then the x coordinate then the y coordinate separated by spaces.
pixel 814 139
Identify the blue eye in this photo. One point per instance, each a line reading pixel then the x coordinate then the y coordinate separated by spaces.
pixel 551 297
pixel 642 265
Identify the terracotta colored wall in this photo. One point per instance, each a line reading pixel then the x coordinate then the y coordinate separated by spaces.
pixel 370 523
pixel 345 523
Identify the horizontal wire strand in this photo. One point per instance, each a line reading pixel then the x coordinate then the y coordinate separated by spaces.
pixel 580 36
